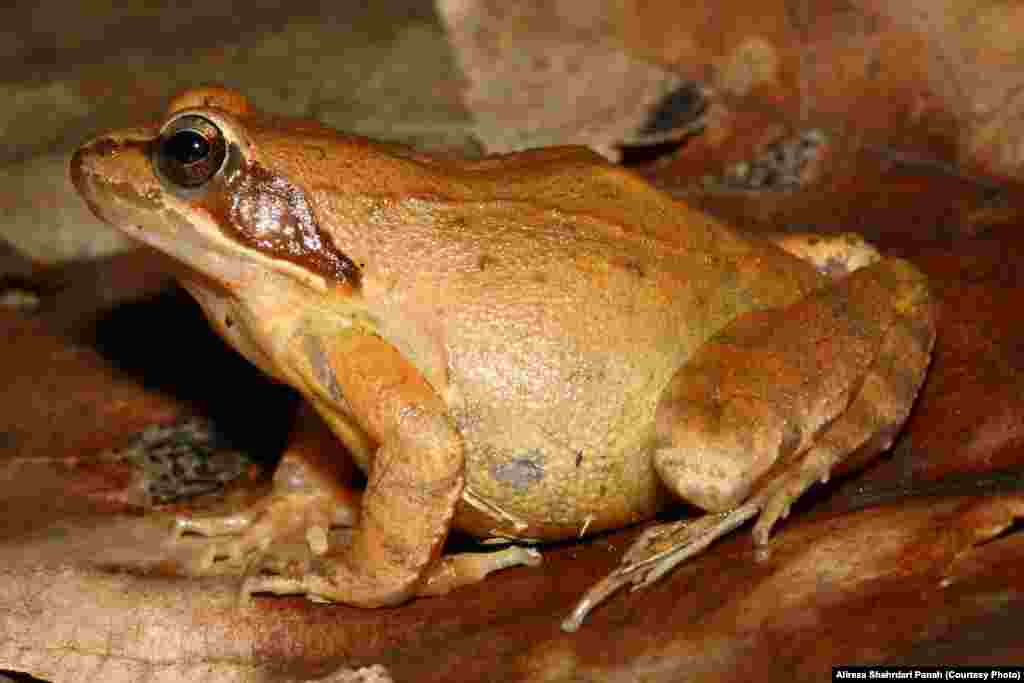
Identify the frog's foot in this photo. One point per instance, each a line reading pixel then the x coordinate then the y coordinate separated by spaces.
pixel 660 548
pixel 279 518
pixel 318 579
pixel 655 552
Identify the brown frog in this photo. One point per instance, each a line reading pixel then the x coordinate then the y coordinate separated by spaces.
pixel 533 347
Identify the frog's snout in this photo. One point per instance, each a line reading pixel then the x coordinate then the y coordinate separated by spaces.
pixel 82 175
pixel 75 168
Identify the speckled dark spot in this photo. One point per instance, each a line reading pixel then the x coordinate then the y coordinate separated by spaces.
pixel 485 262
pixel 522 471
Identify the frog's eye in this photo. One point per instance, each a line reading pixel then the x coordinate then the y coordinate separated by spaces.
pixel 189 152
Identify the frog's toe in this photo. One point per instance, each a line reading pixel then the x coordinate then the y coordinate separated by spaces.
pixel 276 584
pixel 216 525
pixel 657 551
pixel 315 578
pixel 216 556
pixel 776 498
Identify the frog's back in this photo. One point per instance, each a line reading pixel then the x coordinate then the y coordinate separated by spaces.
pixel 576 181
pixel 609 234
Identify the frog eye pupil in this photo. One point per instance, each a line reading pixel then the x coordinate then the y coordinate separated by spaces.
pixel 186 147
pixel 189 152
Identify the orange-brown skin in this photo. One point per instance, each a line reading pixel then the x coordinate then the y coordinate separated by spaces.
pixel 501 344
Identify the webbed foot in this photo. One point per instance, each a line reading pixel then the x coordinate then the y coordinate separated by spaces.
pixel 660 548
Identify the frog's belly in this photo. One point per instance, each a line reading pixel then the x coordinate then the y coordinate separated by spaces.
pixel 559 436
pixel 553 491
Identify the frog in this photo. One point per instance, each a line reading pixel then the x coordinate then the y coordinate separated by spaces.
pixel 526 348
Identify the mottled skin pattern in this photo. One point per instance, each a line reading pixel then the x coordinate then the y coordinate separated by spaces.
pixel 534 346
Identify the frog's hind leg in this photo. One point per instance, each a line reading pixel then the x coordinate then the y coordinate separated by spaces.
pixel 872 419
pixel 313 490
pixel 774 403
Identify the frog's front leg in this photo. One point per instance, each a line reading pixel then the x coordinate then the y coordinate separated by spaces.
pixel 403 517
pixel 775 402
pixel 415 480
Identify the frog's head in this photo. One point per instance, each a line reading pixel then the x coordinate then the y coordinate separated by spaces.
pixel 222 189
